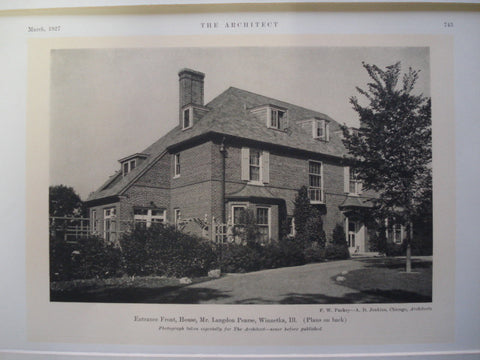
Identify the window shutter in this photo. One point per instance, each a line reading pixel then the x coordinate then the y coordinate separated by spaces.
pixel 327 132
pixel 360 187
pixel 265 167
pixel 245 163
pixel 346 179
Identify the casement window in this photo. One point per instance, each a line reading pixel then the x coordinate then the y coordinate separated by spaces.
pixel 352 185
pixel 277 118
pixel 263 223
pixel 255 166
pixel 315 178
pixel 144 217
pixel 176 165
pixel 320 130
pixel 129 166
pixel 94 226
pixel 187 118
pixel 109 224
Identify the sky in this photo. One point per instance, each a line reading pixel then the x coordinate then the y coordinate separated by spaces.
pixel 106 104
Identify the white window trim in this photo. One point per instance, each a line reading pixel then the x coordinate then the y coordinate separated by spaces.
pixel 94 226
pixel 190 118
pixel 269 219
pixel 347 179
pixel 264 164
pixel 177 214
pixel 129 164
pixel 325 126
pixel 149 218
pixel 232 211
pixel 270 110
pixel 177 161
pixel 110 217
pixel 322 194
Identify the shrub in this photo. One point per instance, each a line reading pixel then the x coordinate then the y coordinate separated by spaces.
pixel 89 257
pixel 163 250
pixel 234 258
pixel 313 252
pixel 337 252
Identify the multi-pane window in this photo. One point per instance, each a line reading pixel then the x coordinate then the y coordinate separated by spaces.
pixel 397 233
pixel 177 165
pixel 145 217
pixel 277 118
pixel 320 130
pixel 109 224
pixel 254 165
pixel 129 166
pixel 315 190
pixel 238 214
pixel 263 223
pixel 355 185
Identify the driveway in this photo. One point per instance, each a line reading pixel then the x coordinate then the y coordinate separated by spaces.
pixel 306 284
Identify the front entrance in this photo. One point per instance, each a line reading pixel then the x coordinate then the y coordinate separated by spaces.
pixel 355 236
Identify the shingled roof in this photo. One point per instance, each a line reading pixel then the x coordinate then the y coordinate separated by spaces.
pixel 229 114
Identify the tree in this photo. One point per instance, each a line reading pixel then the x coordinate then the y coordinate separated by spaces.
pixel 392 151
pixel 64 202
pixel 308 220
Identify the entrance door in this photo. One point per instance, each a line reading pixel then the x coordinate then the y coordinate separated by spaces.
pixel 355 236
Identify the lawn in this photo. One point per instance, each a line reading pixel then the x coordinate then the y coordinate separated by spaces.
pixel 116 290
pixel 385 280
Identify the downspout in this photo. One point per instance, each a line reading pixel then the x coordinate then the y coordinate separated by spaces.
pixel 223 151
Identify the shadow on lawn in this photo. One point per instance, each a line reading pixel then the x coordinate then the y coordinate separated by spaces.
pixel 167 294
pixel 362 297
pixel 395 263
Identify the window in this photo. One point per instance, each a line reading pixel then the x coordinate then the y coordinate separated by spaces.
pixel 128 166
pixel 291 226
pixel 109 224
pixel 94 222
pixel 394 231
pixel 315 190
pixel 277 119
pixel 177 216
pixel 238 214
pixel 176 165
pixel 187 118
pixel 263 223
pixel 255 166
pixel 320 130
pixel 144 218
pixel 352 185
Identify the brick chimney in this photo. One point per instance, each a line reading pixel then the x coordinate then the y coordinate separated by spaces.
pixel 191 87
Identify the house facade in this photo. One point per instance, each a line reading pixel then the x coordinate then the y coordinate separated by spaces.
pixel 240 151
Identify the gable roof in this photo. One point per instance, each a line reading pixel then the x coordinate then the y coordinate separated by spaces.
pixel 229 114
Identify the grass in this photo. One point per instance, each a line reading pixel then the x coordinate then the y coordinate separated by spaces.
pixel 116 290
pixel 385 279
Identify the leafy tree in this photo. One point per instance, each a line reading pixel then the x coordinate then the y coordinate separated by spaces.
pixel 64 201
pixel 392 151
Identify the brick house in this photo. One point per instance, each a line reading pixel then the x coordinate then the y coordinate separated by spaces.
pixel 240 151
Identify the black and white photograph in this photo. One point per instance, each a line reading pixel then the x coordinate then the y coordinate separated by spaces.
pixel 241 175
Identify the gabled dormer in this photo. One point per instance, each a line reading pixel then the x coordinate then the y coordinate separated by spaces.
pixel 318 127
pixel 274 117
pixel 131 162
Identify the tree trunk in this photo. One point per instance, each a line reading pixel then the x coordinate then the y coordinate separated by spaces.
pixel 408 268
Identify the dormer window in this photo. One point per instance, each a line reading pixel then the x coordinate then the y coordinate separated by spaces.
pixel 320 130
pixel 131 162
pixel 187 118
pixel 277 119
pixel 129 166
